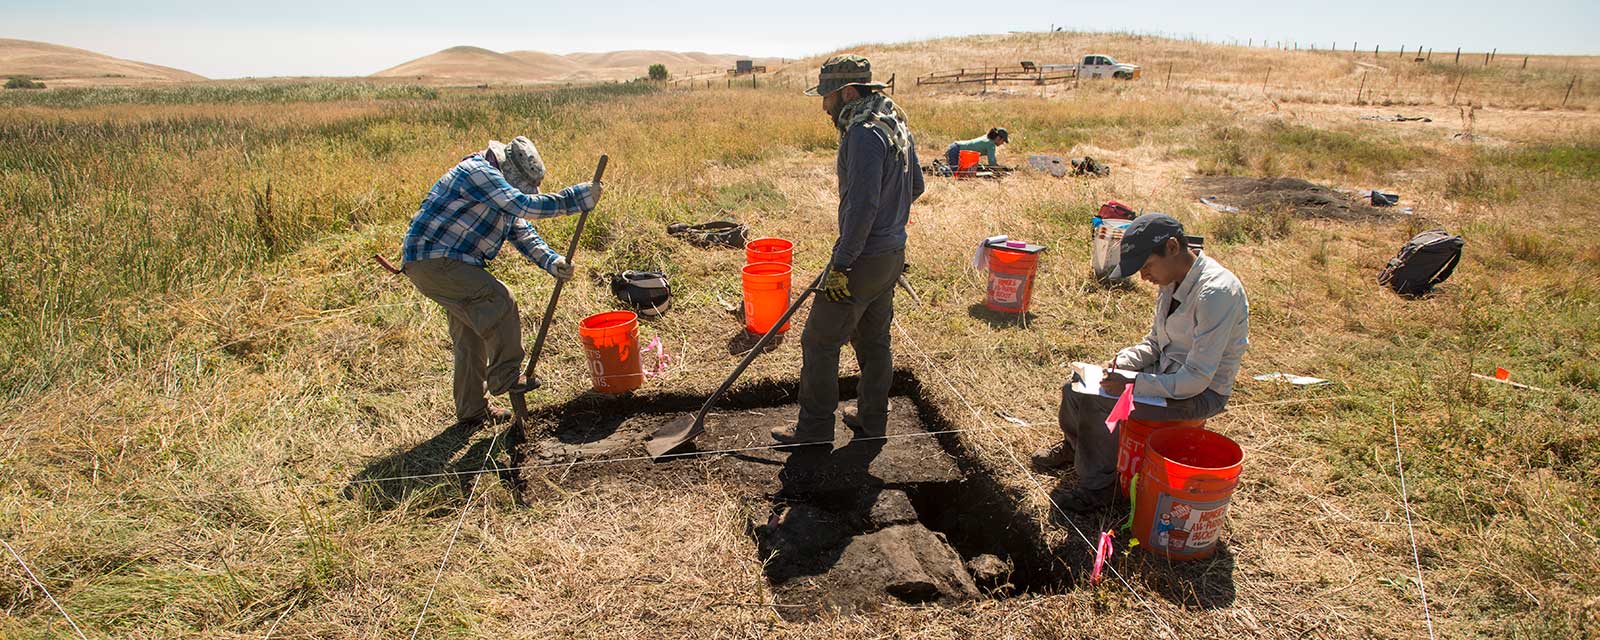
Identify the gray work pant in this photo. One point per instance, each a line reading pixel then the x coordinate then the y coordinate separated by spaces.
pixel 484 328
pixel 863 321
pixel 1083 422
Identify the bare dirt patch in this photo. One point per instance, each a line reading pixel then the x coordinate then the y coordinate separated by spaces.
pixel 1301 198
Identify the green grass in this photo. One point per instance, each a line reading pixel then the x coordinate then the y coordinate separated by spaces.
pixel 1280 149
pixel 278 93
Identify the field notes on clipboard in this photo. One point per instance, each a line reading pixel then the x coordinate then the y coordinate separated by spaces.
pixel 1086 380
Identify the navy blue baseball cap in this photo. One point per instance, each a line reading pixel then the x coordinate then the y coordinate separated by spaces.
pixel 1141 238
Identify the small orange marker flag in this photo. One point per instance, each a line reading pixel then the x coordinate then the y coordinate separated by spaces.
pixel 1501 374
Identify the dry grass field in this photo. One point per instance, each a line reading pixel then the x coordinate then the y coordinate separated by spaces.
pixel 200 378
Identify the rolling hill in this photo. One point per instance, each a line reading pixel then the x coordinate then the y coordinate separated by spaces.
pixel 478 65
pixel 68 65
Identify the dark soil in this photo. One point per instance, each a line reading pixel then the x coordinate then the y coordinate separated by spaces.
pixel 841 528
pixel 1264 196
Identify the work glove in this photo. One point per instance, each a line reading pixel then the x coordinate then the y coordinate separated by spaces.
pixel 596 188
pixel 836 285
pixel 561 269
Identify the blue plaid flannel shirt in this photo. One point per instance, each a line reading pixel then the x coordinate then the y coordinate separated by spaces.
pixel 471 211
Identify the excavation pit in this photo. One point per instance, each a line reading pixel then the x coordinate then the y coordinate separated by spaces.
pixel 901 517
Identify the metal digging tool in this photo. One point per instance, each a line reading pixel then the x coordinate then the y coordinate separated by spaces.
pixel 684 428
pixel 519 403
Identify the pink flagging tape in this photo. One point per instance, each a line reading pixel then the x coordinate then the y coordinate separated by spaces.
pixel 1101 552
pixel 1122 410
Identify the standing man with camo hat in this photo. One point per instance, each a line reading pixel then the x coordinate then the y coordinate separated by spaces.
pixel 879 178
pixel 484 200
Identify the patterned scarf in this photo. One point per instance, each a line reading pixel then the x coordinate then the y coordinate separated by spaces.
pixel 879 110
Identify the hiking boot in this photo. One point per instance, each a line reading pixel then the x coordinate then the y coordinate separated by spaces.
pixel 1083 501
pixel 490 416
pixel 792 434
pixel 850 415
pixel 1052 458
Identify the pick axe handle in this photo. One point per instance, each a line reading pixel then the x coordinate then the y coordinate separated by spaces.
pixel 572 252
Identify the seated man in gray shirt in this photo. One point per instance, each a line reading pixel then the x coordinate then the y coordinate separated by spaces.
pixel 1200 332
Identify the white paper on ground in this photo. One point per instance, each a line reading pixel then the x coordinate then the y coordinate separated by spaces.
pixel 1089 376
pixel 1291 379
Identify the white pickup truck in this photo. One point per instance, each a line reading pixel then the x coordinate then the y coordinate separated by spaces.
pixel 1097 65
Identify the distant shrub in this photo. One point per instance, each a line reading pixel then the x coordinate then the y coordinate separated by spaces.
pixel 658 72
pixel 23 82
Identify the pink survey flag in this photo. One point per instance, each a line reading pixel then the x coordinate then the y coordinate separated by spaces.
pixel 1101 552
pixel 1122 410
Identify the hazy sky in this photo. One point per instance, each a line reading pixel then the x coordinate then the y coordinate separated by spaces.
pixel 357 37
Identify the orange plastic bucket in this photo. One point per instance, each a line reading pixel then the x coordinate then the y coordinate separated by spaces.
pixel 1010 277
pixel 1131 438
pixel 769 250
pixel 967 162
pixel 766 295
pixel 611 345
pixel 1187 477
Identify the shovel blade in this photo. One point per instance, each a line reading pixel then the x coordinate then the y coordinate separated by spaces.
pixel 672 435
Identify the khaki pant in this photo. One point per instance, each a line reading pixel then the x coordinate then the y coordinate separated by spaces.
pixel 864 322
pixel 1083 423
pixel 484 327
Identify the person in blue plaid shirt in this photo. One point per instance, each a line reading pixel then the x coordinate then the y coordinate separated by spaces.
pixel 485 200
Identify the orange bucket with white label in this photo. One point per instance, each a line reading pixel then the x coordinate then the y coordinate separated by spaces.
pixel 1012 265
pixel 611 346
pixel 1185 482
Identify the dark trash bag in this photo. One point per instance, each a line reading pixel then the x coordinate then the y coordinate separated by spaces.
pixel 647 292
pixel 1381 199
pixel 717 233
pixel 1425 261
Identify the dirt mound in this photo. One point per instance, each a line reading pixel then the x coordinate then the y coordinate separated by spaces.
pixel 467 64
pixel 55 62
pixel 1303 199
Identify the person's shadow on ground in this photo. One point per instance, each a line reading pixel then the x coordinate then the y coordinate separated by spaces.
pixel 827 492
pixel 427 467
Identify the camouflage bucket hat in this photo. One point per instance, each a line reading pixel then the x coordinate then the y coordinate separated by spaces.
pixel 842 71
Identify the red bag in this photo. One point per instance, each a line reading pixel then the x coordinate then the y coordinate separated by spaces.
pixel 1113 210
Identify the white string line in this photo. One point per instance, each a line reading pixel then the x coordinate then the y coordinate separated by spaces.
pixel 471 495
pixel 266 484
pixel 573 463
pixel 46 590
pixel 976 415
pixel 1416 556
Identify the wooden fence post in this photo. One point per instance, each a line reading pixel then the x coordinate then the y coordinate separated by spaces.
pixel 1169 78
pixel 1360 88
pixel 1458 87
pixel 1374 52
pixel 1486 59
pixel 1264 79
pixel 1402 52
pixel 1430 54
pixel 1569 91
pixel 1494 52
pixel 1458 56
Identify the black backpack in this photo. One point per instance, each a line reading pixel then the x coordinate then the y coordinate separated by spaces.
pixel 647 292
pixel 1425 260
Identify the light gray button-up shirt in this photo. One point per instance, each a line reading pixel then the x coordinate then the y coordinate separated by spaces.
pixel 1197 346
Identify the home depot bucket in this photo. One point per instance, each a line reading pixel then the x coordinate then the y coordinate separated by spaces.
pixel 611 345
pixel 967 163
pixel 769 250
pixel 1187 477
pixel 1131 438
pixel 766 296
pixel 1011 267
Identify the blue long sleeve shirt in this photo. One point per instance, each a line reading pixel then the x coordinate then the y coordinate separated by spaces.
pixel 471 211
pixel 875 194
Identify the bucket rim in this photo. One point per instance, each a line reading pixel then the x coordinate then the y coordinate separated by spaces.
pixel 779 244
pixel 1160 436
pixel 598 321
pixel 767 269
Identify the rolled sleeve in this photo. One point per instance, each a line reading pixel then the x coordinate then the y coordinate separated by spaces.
pixel 1217 312
pixel 861 194
pixel 489 186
